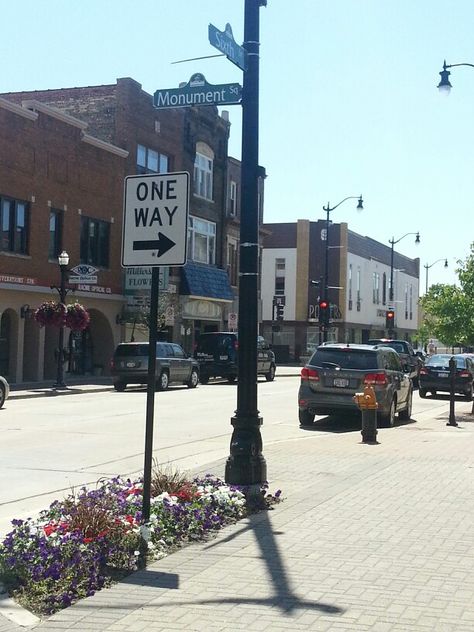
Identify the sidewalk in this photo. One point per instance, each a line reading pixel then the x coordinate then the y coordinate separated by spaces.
pixel 90 384
pixel 369 538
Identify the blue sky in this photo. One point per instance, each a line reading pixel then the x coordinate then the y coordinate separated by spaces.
pixel 348 98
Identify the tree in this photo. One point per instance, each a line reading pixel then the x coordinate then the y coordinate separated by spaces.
pixel 448 309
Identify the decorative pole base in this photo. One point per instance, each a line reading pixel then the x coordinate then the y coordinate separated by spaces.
pixel 246 464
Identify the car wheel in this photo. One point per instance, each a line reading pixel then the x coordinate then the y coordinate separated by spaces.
pixel 2 395
pixel 163 381
pixel 389 418
pixel 422 393
pixel 120 386
pixel 204 379
pixel 467 395
pixel 193 379
pixel 306 418
pixel 270 376
pixel 405 414
pixel 231 378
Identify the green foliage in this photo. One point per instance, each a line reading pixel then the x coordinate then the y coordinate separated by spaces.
pixel 448 309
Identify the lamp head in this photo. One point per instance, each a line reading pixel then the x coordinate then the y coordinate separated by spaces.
pixel 417 238
pixel 445 263
pixel 444 86
pixel 360 204
pixel 63 258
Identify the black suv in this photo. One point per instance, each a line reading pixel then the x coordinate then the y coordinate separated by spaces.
pixel 217 354
pixel 411 361
pixel 336 372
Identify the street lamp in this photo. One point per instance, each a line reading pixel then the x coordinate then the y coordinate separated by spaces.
pixel 392 242
pixel 63 261
pixel 444 86
pixel 328 209
pixel 427 267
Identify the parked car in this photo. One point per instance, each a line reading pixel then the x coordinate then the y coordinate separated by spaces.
pixel 336 371
pixel 411 361
pixel 217 354
pixel 4 390
pixel 173 366
pixel 435 375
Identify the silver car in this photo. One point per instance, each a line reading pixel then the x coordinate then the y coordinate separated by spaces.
pixel 173 366
pixel 4 390
pixel 336 371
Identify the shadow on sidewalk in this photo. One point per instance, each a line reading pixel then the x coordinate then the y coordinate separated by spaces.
pixel 284 597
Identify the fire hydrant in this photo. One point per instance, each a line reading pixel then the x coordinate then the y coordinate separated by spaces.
pixel 367 404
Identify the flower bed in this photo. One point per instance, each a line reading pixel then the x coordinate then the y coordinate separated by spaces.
pixel 83 543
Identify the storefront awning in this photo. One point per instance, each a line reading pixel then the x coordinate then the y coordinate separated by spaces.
pixel 206 282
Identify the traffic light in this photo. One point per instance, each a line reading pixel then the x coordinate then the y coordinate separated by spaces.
pixel 279 311
pixel 323 312
pixel 390 319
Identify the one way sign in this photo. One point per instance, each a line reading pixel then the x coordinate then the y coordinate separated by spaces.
pixel 155 219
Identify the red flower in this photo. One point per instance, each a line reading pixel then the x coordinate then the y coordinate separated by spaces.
pixel 77 317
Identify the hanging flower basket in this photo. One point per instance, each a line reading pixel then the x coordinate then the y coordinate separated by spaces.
pixel 50 313
pixel 77 317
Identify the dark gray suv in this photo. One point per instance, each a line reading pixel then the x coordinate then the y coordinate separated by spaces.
pixel 336 371
pixel 173 366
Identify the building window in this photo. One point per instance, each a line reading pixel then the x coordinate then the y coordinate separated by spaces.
pixel 203 171
pixel 233 198
pixel 406 301
pixel 411 302
pixel 95 242
pixel 280 277
pixel 349 293
pixel 376 288
pixel 201 241
pixel 14 217
pixel 151 161
pixel 358 289
pixel 232 262
pixel 384 289
pixel 55 234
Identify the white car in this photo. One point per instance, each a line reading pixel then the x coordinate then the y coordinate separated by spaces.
pixel 4 390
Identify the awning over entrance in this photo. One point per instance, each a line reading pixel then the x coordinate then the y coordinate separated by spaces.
pixel 203 281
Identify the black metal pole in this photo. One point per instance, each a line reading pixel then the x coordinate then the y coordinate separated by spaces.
pixel 62 299
pixel 391 293
pixel 150 394
pixel 452 377
pixel 246 464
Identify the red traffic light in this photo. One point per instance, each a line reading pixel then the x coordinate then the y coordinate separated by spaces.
pixel 390 314
pixel 323 304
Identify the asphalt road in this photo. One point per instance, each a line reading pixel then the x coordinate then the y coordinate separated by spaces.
pixel 51 445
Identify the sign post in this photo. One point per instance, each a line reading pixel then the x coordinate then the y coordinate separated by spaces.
pixel 154 234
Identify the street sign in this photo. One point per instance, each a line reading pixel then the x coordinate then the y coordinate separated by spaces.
pixel 224 41
pixel 84 269
pixel 198 92
pixel 232 320
pixel 155 219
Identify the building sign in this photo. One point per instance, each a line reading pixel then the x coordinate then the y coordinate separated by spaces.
pixel 202 309
pixel 9 278
pixel 140 279
pixel 98 289
pixel 198 92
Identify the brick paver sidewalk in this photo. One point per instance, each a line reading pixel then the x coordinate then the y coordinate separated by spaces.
pixel 369 538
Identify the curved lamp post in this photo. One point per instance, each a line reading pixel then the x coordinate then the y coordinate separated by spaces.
pixel 329 209
pixel 63 261
pixel 427 267
pixel 444 86
pixel 392 242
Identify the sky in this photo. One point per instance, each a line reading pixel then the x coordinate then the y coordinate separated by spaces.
pixel 348 99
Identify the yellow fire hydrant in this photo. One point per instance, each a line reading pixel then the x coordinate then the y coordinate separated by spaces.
pixel 367 404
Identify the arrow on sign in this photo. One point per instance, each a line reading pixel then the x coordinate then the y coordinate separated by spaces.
pixel 162 244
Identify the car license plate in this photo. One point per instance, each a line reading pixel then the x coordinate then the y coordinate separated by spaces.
pixel 443 374
pixel 340 382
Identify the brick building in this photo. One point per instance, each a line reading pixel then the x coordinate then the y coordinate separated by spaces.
pixel 193 139
pixel 60 189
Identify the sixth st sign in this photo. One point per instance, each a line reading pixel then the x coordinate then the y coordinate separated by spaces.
pixel 155 220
